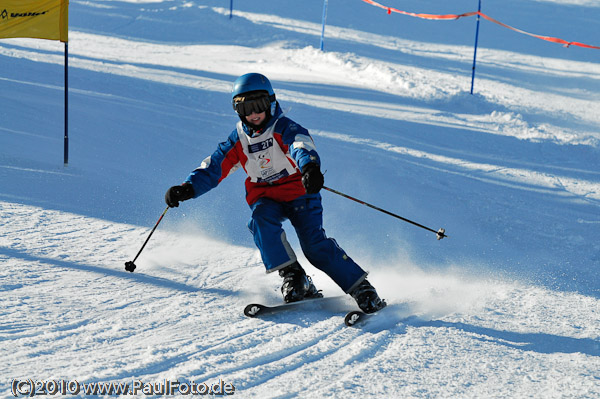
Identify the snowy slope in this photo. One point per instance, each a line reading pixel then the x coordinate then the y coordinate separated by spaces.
pixel 508 306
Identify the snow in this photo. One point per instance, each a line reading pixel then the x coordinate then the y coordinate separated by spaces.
pixel 506 306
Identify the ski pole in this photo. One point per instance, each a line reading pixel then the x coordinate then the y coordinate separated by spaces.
pixel 441 233
pixel 130 266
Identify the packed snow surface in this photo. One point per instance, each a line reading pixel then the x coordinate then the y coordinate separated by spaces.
pixel 506 307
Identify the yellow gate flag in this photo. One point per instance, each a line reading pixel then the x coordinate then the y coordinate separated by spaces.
pixel 39 19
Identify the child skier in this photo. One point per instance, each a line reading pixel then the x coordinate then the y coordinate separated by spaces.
pixel 284 179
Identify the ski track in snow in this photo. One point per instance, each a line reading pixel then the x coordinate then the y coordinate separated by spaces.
pixel 183 320
pixel 70 310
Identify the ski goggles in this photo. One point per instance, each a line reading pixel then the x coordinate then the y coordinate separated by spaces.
pixel 246 105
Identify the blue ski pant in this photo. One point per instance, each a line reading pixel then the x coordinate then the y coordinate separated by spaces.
pixel 306 216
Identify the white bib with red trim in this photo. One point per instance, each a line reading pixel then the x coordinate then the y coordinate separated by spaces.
pixel 267 161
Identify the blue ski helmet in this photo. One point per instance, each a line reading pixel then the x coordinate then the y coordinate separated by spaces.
pixel 253 92
pixel 251 82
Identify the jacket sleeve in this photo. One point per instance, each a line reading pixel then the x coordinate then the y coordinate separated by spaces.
pixel 219 165
pixel 300 144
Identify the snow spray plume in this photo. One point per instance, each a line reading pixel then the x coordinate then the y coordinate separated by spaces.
pixel 441 233
pixel 130 266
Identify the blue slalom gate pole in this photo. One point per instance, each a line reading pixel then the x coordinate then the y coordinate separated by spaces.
pixel 230 9
pixel 323 23
pixel 475 51
pixel 66 149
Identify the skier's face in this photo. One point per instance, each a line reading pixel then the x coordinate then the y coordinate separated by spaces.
pixel 256 119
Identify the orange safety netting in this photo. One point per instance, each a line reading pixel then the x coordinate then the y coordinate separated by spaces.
pixel 472 13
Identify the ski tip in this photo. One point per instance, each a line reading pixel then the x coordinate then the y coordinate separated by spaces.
pixel 356 316
pixel 353 317
pixel 253 310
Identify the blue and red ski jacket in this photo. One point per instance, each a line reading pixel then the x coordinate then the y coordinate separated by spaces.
pixel 273 160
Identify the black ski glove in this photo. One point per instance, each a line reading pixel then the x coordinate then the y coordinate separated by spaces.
pixel 312 178
pixel 179 193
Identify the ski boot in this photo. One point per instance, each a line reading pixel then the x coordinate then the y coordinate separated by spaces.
pixel 367 299
pixel 297 285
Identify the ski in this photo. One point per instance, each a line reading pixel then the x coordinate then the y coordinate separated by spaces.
pixel 351 318
pixel 358 316
pixel 355 316
pixel 258 309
